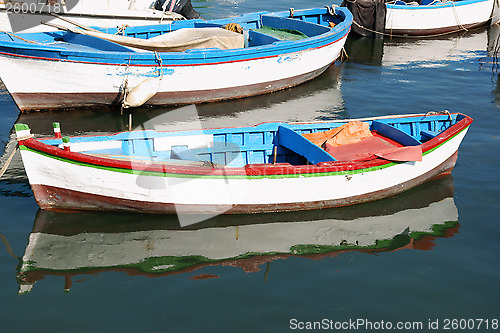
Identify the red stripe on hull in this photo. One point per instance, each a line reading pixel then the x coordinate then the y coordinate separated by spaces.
pixel 54 198
pixel 50 101
pixel 249 170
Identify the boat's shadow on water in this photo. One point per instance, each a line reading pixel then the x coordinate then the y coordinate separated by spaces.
pixel 318 99
pixel 71 245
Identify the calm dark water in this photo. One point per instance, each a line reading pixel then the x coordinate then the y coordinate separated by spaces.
pixel 429 254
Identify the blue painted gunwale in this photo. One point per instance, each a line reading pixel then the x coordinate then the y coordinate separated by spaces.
pixel 56 52
pixel 413 126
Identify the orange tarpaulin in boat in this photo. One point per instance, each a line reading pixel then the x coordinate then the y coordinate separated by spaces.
pixel 374 146
pixel 354 141
pixel 352 132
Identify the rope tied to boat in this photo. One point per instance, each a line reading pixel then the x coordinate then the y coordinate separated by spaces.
pixel 456 16
pixel 9 159
pixel 234 27
pixel 433 113
pixel 209 164
pixel 23 39
pixel 159 60
pixel 144 90
pixel 332 10
pixel 406 36
pixel 344 56
pixel 121 29
pixel 124 87
pixel 7 245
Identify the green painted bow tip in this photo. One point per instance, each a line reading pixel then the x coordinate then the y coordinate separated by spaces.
pixel 21 127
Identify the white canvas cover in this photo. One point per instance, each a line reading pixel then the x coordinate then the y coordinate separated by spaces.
pixel 195 38
pixel 176 41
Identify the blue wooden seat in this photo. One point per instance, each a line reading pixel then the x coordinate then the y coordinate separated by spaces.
pixel 292 140
pixel 395 134
pixel 230 155
pixel 183 153
pixel 427 134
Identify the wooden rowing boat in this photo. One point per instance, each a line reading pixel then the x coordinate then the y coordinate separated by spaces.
pixel 88 67
pixel 270 167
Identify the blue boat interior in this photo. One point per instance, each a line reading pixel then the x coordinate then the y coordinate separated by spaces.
pixel 237 147
pixel 305 23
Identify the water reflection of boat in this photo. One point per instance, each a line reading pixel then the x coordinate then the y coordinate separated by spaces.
pixel 493 48
pixel 71 245
pixel 422 52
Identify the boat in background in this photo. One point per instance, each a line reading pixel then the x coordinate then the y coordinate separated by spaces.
pixel 92 68
pixel 27 16
pixel 270 167
pixel 419 19
pixel 79 246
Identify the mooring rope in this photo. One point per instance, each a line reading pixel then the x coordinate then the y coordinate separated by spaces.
pixel 7 163
pixel 159 60
pixel 433 113
pixel 121 29
pixel 9 248
pixel 344 53
pixel 16 36
pixel 234 27
pixel 457 18
pixel 408 36
pixel 331 9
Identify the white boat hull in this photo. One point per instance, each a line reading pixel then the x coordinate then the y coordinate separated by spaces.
pixel 19 17
pixel 79 84
pixel 61 184
pixel 438 18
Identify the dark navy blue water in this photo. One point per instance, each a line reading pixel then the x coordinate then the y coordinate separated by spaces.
pixel 449 272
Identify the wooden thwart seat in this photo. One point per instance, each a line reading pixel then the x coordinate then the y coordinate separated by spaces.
pixel 390 143
pixel 292 140
pixel 395 134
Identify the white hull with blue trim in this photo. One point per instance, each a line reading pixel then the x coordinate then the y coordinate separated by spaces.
pixel 436 17
pixel 67 70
